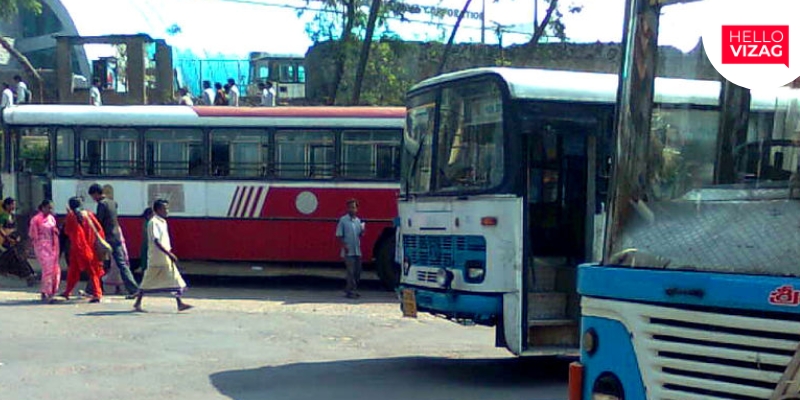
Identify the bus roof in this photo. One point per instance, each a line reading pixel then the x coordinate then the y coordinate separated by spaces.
pixel 67 115
pixel 590 87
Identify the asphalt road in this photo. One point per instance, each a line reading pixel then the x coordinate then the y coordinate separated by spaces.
pixel 260 339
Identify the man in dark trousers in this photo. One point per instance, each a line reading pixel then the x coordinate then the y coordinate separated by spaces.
pixel 107 215
pixel 349 231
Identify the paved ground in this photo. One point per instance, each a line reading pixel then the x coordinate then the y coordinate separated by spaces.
pixel 280 339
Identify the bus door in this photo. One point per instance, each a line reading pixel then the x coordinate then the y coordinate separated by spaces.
pixel 560 158
pixel 30 164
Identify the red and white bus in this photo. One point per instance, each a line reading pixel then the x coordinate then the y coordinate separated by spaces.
pixel 248 187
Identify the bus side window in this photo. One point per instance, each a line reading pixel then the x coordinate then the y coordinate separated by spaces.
pixel 175 152
pixel 34 150
pixel 370 155
pixel 65 152
pixel 239 152
pixel 305 154
pixel 111 151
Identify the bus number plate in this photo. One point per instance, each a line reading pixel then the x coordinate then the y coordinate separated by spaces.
pixel 409 303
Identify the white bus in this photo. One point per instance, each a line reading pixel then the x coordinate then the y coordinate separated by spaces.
pixel 504 182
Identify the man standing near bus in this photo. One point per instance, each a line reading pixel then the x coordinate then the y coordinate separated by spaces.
pixel 95 98
pixel 23 94
pixel 8 96
pixel 107 215
pixel 208 94
pixel 349 232
pixel 233 93
pixel 267 94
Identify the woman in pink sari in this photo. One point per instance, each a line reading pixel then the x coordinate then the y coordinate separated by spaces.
pixel 43 232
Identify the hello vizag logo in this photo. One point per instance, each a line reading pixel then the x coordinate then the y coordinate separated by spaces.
pixel 755 44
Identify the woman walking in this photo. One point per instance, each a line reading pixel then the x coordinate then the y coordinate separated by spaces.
pixel 82 229
pixel 43 232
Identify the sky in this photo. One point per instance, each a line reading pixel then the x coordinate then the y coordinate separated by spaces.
pixel 226 28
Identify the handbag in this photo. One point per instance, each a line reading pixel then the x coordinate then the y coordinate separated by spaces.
pixel 102 249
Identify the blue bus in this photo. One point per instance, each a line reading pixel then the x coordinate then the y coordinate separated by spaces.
pixel 697 294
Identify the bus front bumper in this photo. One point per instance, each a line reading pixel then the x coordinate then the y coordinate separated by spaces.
pixel 483 309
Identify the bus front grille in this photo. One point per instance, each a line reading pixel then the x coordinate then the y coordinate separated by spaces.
pixel 699 354
pixel 443 251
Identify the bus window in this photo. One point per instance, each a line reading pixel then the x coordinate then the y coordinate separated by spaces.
pixel 34 152
pixel 109 151
pixel 239 153
pixel 301 74
pixel 305 154
pixel 370 154
pixel 65 152
pixel 681 140
pixel 175 152
pixel 470 150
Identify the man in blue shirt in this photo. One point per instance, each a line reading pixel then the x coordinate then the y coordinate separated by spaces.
pixel 349 231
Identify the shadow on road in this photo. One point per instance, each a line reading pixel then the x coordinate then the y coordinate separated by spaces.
pixel 287 290
pixel 399 379
pixel 106 313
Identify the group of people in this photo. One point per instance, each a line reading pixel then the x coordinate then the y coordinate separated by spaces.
pixel 93 244
pixel 20 94
pixel 227 95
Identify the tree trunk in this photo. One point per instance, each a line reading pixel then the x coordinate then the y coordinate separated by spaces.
pixel 364 56
pixel 539 32
pixel 26 65
pixel 344 44
pixel 452 37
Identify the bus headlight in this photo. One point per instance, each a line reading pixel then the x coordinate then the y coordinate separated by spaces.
pixel 444 277
pixel 476 270
pixel 607 387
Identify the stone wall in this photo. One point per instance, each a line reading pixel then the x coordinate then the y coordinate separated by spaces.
pixel 412 62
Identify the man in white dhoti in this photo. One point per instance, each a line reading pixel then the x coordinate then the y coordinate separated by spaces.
pixel 162 273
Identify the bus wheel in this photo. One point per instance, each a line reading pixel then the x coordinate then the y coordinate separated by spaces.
pixel 388 270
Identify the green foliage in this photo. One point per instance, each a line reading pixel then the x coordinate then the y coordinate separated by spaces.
pixel 386 80
pixel 10 8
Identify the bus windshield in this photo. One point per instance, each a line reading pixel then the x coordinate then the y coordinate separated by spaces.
pixel 460 149
pixel 704 194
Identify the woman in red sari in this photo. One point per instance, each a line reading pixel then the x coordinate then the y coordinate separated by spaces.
pixel 82 257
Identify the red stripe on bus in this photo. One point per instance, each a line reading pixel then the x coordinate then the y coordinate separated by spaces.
pixel 233 200
pixel 252 213
pixel 302 112
pixel 246 204
pixel 239 202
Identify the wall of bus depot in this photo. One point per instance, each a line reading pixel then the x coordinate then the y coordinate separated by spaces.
pixel 406 63
pixel 137 90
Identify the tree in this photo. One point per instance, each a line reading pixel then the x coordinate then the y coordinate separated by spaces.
pixel 8 10
pixel 553 22
pixel 374 10
pixel 453 36
pixel 341 31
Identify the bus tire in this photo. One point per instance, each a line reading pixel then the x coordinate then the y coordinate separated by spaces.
pixel 388 270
